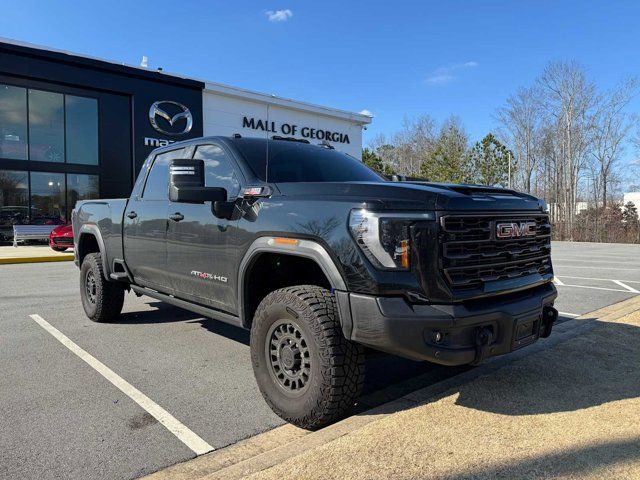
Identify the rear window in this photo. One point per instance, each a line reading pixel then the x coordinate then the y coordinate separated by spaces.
pixel 300 162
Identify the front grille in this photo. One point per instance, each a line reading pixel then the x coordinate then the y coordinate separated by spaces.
pixel 63 240
pixel 472 255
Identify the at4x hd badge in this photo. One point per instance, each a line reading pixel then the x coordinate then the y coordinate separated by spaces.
pixel 209 276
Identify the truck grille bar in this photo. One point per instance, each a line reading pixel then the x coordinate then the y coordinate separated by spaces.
pixel 473 255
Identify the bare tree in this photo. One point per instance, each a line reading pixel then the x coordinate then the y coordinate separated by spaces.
pixel 568 102
pixel 521 118
pixel 611 128
pixel 406 150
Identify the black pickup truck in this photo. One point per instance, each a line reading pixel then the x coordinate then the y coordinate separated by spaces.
pixel 320 257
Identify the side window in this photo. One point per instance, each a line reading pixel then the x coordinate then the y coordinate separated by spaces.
pixel 157 184
pixel 218 169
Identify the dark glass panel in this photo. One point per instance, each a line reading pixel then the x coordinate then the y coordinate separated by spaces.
pixel 82 130
pixel 81 187
pixel 46 126
pixel 14 201
pixel 13 122
pixel 47 198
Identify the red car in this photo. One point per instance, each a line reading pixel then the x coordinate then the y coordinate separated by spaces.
pixel 61 238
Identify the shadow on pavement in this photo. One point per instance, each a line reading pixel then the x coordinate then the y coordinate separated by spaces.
pixel 599 367
pixel 388 377
pixel 581 374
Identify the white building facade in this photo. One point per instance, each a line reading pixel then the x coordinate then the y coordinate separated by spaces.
pixel 229 110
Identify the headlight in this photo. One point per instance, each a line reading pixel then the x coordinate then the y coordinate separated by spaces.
pixel 384 237
pixel 545 206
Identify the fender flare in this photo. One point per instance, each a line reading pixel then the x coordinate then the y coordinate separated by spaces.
pixel 93 230
pixel 302 248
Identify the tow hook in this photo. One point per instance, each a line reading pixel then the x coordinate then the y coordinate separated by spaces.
pixel 549 316
pixel 484 338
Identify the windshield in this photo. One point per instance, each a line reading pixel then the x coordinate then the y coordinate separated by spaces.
pixel 301 162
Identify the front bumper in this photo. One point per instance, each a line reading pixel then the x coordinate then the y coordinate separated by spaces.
pixel 455 334
pixel 62 241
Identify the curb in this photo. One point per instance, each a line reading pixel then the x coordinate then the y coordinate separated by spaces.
pixel 278 445
pixel 50 258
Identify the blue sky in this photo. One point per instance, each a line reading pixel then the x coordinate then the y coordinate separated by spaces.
pixel 391 58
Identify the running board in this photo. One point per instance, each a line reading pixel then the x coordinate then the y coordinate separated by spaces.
pixel 192 307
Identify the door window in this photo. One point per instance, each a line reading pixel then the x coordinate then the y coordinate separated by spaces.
pixel 218 169
pixel 157 184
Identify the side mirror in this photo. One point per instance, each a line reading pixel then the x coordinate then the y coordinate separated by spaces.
pixel 186 183
pixel 226 210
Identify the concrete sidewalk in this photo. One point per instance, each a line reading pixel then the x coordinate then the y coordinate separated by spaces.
pixel 567 407
pixel 33 254
pixel 567 412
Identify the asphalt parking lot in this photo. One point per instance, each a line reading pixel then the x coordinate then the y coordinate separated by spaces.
pixel 62 416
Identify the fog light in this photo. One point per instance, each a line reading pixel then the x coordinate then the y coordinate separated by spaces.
pixel 437 336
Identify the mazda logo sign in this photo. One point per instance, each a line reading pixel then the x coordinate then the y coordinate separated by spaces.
pixel 515 229
pixel 156 111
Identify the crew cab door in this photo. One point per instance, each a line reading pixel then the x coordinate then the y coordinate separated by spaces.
pixel 145 226
pixel 201 251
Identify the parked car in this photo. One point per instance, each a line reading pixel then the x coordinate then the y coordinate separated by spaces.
pixel 320 257
pixel 61 237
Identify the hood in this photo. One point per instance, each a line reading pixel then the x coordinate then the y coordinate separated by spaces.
pixel 62 229
pixel 418 195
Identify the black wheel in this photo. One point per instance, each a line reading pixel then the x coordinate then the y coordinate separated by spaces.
pixel 102 300
pixel 59 249
pixel 308 373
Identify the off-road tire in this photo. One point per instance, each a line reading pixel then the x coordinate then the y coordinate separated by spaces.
pixel 102 300
pixel 336 365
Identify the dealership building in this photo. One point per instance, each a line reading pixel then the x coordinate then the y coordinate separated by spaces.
pixel 74 127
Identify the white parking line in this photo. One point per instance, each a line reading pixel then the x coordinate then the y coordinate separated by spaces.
pixel 603 279
pixel 589 287
pixel 184 434
pixel 558 264
pixel 624 285
pixel 557 281
pixel 565 314
pixel 586 260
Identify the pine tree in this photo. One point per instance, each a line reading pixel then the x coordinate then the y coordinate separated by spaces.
pixel 489 162
pixel 448 160
pixel 374 162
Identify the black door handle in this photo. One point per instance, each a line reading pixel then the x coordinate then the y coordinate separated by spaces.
pixel 132 215
pixel 176 217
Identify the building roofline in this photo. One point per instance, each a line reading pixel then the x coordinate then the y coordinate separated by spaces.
pixel 72 58
pixel 286 102
pixel 146 73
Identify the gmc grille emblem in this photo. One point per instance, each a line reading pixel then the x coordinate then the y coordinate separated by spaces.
pixel 515 229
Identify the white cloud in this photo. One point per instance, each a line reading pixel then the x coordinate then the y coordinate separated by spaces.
pixel 366 112
pixel 446 74
pixel 442 79
pixel 279 15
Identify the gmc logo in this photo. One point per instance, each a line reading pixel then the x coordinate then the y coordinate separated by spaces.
pixel 515 229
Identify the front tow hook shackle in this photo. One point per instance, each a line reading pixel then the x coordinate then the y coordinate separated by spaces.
pixel 549 317
pixel 484 338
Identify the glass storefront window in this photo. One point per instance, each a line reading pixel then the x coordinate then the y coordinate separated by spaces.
pixel 81 187
pixel 47 198
pixel 82 130
pixel 13 122
pixel 46 126
pixel 14 201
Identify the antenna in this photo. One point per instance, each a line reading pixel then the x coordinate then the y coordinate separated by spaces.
pixel 266 163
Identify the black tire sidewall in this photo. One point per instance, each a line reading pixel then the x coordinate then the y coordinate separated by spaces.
pixel 295 406
pixel 89 264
